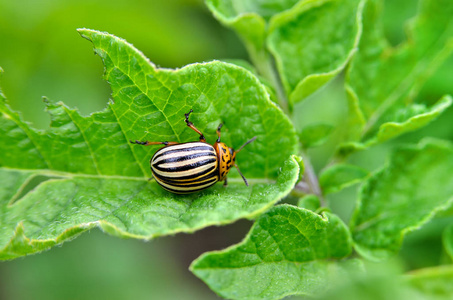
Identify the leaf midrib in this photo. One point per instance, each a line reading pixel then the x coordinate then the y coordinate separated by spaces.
pixel 62 174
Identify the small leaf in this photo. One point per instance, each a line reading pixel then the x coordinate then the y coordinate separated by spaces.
pixel 383 79
pixel 310 202
pixel 401 197
pixel 314 135
pixel 288 251
pixel 248 18
pixel 313 42
pixel 82 172
pixel 340 176
pixel 432 283
pixel 407 119
pixel 447 239
pixel 411 118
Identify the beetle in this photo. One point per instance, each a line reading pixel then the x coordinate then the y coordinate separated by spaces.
pixel 184 168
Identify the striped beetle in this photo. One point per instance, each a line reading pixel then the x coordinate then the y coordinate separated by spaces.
pixel 184 168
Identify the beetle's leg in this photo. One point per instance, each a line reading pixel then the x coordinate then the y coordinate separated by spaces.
pixel 146 143
pixel 225 183
pixel 190 124
pixel 218 132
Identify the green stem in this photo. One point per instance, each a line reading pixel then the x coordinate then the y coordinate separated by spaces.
pixel 312 180
pixel 266 68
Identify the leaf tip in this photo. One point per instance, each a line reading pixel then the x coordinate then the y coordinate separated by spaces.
pixel 45 100
pixel 86 33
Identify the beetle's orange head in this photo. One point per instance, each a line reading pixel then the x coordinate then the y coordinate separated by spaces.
pixel 227 158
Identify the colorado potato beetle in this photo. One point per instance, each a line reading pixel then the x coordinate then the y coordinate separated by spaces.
pixel 184 168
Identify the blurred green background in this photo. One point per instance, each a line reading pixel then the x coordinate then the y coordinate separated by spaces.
pixel 42 55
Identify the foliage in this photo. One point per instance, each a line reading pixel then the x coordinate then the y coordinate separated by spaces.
pixel 83 173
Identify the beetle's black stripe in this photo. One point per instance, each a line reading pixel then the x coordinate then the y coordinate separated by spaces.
pixel 191 176
pixel 195 184
pixel 185 192
pixel 179 181
pixel 187 184
pixel 184 167
pixel 184 189
pixel 193 172
pixel 167 150
pixel 183 158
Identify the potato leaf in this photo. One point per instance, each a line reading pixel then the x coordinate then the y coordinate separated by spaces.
pixel 288 251
pixel 383 80
pixel 313 42
pixel 82 172
pixel 401 197
pixel 340 176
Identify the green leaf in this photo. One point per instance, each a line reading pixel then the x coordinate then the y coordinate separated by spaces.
pixel 249 18
pixel 377 283
pixel 411 118
pixel 401 197
pixel 432 283
pixel 313 42
pixel 82 172
pixel 447 238
pixel 340 176
pixel 406 119
pixel 314 135
pixel 310 202
pixel 383 79
pixel 288 251
pixel 248 66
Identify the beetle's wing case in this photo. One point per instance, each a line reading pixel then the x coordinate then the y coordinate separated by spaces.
pixel 185 168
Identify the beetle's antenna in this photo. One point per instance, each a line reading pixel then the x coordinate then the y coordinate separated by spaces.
pixel 239 171
pixel 218 132
pixel 246 143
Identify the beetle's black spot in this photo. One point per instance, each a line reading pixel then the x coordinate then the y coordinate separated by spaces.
pixel 223 158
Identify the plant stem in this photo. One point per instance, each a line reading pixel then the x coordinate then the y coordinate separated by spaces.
pixel 266 68
pixel 311 179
